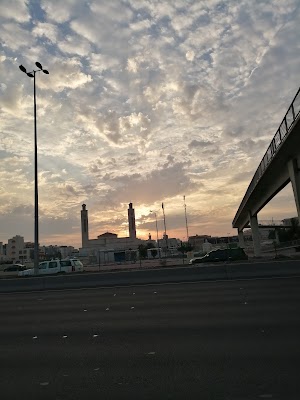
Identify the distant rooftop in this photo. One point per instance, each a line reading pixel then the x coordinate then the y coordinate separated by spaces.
pixel 108 235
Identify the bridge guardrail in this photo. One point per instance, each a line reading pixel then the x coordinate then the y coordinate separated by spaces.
pixel 281 134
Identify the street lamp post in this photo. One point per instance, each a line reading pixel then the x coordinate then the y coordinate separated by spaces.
pixel 156 233
pixel 36 199
pixel 186 222
pixel 166 238
pixel 228 246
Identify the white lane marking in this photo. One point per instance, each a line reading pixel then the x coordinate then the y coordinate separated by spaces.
pixel 241 288
pixel 114 294
pixel 132 308
pixel 96 369
pixel 245 302
pixel 34 337
pixel 155 292
pixel 84 310
pixel 65 336
pixel 65 375
pixel 133 293
pixel 44 383
pixel 95 335
pixel 151 353
pixel 107 309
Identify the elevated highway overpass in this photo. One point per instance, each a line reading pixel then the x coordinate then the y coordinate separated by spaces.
pixel 279 166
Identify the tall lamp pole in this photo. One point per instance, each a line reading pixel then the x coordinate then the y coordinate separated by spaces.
pixel 186 222
pixel 156 233
pixel 36 197
pixel 166 239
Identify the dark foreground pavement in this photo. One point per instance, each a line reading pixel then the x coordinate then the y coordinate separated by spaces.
pixel 210 340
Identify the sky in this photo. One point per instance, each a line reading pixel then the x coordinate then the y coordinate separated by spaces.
pixel 147 101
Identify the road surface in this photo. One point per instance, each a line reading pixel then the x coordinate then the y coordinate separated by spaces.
pixel 208 340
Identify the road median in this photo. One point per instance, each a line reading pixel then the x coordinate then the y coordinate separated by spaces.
pixel 153 276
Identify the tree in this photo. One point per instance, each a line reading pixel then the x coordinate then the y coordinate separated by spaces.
pixel 153 253
pixel 295 230
pixel 293 233
pixel 185 248
pixel 271 235
pixel 143 251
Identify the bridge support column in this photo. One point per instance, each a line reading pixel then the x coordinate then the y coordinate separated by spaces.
pixel 241 239
pixel 255 235
pixel 295 180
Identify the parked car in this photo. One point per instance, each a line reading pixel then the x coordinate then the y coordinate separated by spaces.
pixel 55 267
pixel 221 255
pixel 15 267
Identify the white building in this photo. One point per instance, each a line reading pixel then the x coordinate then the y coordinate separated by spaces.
pixel 168 245
pixel 206 247
pixel 3 256
pixel 14 246
pixel 66 251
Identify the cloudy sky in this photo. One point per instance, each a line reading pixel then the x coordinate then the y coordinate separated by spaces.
pixel 146 101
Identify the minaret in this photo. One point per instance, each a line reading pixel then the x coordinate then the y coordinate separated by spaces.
pixel 131 222
pixel 84 226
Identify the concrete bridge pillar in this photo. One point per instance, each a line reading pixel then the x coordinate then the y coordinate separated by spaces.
pixel 241 239
pixel 255 235
pixel 295 180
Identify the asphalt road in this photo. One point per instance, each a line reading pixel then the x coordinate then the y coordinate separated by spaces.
pixel 209 340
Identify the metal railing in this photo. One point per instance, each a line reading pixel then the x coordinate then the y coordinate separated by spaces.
pixel 279 137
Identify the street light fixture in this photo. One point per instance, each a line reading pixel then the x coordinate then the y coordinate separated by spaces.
pixel 31 74
pixel 156 233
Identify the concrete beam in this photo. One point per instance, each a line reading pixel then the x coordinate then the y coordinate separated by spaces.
pixel 275 177
pixel 295 180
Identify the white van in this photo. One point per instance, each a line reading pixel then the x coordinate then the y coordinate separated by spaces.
pixel 55 267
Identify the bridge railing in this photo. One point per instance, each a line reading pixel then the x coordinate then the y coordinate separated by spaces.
pixel 281 134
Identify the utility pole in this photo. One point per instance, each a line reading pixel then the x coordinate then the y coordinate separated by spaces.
pixel 157 234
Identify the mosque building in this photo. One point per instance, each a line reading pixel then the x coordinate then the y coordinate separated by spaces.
pixel 108 247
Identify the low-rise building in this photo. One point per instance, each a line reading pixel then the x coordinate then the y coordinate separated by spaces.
pixel 3 256
pixel 290 221
pixel 66 251
pixel 197 241
pixel 168 246
pixel 14 246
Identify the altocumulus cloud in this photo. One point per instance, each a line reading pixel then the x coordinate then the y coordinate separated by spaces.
pixel 146 101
